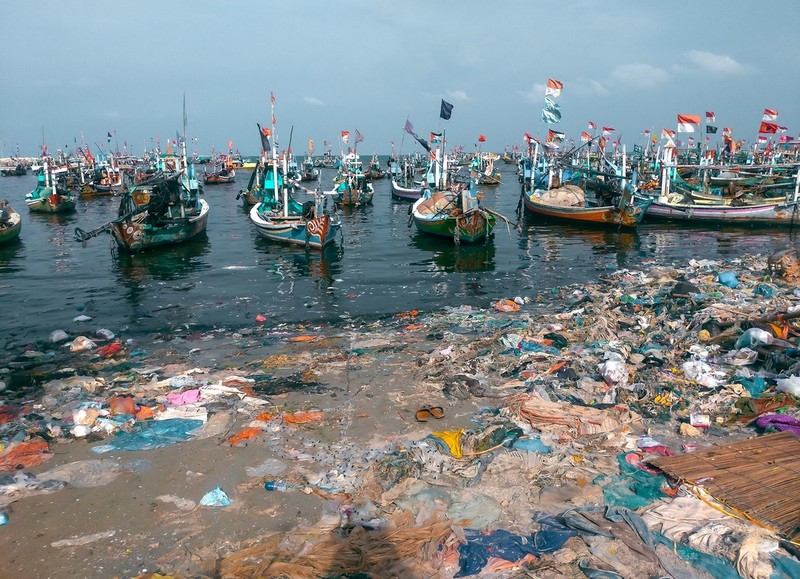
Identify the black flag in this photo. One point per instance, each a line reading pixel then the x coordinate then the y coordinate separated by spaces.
pixel 447 110
pixel 264 133
pixel 711 129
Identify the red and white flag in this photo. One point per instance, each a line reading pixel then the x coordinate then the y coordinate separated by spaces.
pixel 768 128
pixel 607 131
pixel 346 136
pixel 782 129
pixel 727 131
pixel 770 115
pixel 592 126
pixel 667 134
pixel 762 140
pixel 585 137
pixel 688 123
pixel 710 117
pixel 553 88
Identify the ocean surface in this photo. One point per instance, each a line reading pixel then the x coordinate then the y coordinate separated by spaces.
pixel 380 266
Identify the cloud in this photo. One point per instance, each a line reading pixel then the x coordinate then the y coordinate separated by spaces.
pixel 458 95
pixel 535 94
pixel 313 101
pixel 597 88
pixel 639 75
pixel 716 63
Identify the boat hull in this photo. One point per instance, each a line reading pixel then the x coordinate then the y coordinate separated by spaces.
pixel 405 193
pixel 134 236
pixel 440 217
pixel 605 216
pixel 776 213
pixel 295 230
pixel 51 204
pixel 10 231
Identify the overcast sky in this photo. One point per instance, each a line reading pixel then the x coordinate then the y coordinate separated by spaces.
pixel 79 69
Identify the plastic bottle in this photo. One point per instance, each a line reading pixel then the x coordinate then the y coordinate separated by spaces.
pixel 3 519
pixel 276 485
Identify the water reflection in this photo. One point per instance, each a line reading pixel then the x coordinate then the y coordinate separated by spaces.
pixel 11 254
pixel 449 257
pixel 161 264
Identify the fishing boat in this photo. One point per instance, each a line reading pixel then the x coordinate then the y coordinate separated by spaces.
pixel 352 187
pixel 404 186
pixel 164 210
pixel 374 168
pixel 51 194
pixel 10 223
pixel 308 172
pixel 454 212
pixel 17 171
pixel 222 171
pixel 559 193
pixel 281 218
pixel 747 209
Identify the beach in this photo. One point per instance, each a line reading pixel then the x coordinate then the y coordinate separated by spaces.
pixel 329 416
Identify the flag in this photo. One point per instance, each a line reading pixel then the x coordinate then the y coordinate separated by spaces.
pixel 359 137
pixel 271 97
pixel 727 131
pixel 686 123
pixel 346 136
pixel 667 134
pixel 710 117
pixel 527 137
pixel 553 88
pixel 550 112
pixel 782 129
pixel 762 140
pixel 264 134
pixel 326 143
pixel 770 115
pixel 711 129
pixel 783 139
pixel 435 137
pixel 230 145
pixel 481 138
pixel 585 137
pixel 109 137
pixel 555 135
pixel 310 146
pixel 768 128
pixel 409 128
pixel 446 110
pixel 690 144
pixel 592 126
pixel 607 131
pixel 646 132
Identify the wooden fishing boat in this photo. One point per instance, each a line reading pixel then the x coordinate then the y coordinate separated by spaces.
pixel 51 194
pixel 352 187
pixel 18 171
pixel 404 187
pixel 223 175
pixel 165 210
pixel 281 218
pixel 374 169
pixel 568 203
pixel 10 223
pixel 455 213
pixel 308 172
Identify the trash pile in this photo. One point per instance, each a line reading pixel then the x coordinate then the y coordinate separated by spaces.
pixel 548 440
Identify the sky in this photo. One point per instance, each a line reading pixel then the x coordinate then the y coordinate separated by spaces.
pixel 74 71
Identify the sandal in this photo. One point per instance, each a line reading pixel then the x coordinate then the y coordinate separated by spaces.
pixel 425 412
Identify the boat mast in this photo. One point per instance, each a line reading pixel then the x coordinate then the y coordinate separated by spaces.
pixel 274 151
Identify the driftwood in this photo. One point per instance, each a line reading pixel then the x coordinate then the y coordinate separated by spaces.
pixel 733 331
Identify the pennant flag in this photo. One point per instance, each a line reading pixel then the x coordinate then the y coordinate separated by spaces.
pixel 727 131
pixel 686 123
pixel 770 115
pixel 592 126
pixel 710 117
pixel 555 135
pixel 435 137
pixel 553 88
pixel 346 136
pixel 409 128
pixel 768 128
pixel 359 137
pixel 711 129
pixel 585 137
pixel 607 131
pixel 667 134
pixel 481 138
pixel 446 110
